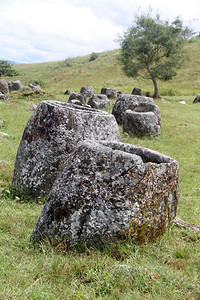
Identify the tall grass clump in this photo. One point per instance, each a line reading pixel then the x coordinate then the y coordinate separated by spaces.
pixel 39 82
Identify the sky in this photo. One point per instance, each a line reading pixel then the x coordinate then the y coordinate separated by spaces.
pixel 33 31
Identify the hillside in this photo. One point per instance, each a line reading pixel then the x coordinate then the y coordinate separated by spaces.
pixel 105 71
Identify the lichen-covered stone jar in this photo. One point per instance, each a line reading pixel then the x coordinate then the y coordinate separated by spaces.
pixel 110 190
pixel 51 134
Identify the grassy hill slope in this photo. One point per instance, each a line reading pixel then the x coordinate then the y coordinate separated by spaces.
pixel 105 71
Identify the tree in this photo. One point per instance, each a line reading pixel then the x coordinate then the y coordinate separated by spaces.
pixel 6 69
pixel 153 49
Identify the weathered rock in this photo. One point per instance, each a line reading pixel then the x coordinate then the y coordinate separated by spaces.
pixel 110 190
pixel 4 98
pixel 76 102
pixel 182 102
pixel 87 90
pixel 164 101
pixel 51 134
pixel 33 107
pixel 141 123
pixel 109 92
pixel 126 101
pixel 197 99
pixel 67 92
pixel 148 107
pixel 14 85
pixel 3 134
pixel 3 86
pixel 77 96
pixel 34 87
pixel 137 91
pixel 99 101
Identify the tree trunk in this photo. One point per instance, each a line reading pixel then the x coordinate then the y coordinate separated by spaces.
pixel 155 95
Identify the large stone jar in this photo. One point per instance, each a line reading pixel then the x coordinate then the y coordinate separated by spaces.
pixel 3 86
pixel 99 101
pixel 14 85
pixel 51 134
pixel 141 123
pixel 127 101
pixel 110 190
pixel 139 115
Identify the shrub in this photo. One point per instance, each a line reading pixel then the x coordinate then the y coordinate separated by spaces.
pixel 93 56
pixel 39 82
pixel 68 62
pixel 6 69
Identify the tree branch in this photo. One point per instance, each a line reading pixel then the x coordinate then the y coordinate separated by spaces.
pixel 182 223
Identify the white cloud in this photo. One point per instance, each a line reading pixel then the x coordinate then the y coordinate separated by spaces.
pixel 44 30
pixel 54 30
pixel 123 11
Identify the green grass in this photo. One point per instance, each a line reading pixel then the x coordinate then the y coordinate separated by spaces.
pixel 169 268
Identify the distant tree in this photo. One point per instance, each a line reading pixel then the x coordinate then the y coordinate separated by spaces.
pixel 6 69
pixel 153 49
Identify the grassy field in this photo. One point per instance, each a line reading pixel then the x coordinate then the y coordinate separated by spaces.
pixel 166 269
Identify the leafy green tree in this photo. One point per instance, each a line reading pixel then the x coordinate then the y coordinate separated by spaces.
pixel 6 69
pixel 153 49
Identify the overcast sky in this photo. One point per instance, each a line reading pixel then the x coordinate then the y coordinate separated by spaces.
pixel 50 30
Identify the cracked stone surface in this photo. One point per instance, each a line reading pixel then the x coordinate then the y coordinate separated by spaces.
pixel 51 134
pixel 110 190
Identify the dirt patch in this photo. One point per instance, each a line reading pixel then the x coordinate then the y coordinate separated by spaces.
pixel 27 94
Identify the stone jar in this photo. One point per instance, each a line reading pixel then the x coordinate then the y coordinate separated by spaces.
pixel 4 86
pixel 109 92
pixel 51 134
pixel 138 123
pixel 99 101
pixel 87 90
pixel 4 98
pixel 136 91
pixel 139 115
pixel 77 96
pixel 14 85
pixel 197 99
pixel 127 101
pixel 108 191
